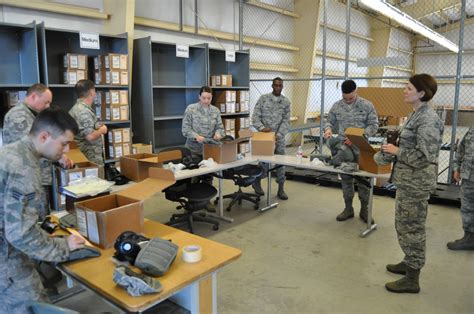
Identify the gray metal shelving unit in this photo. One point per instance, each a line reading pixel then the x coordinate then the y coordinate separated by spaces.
pixel 54 43
pixel 19 67
pixel 164 85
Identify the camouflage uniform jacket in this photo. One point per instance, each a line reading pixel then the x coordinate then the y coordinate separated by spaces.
pixel 17 124
pixel 464 158
pixel 360 114
pixel 87 122
pixel 21 239
pixel 419 143
pixel 272 112
pixel 199 121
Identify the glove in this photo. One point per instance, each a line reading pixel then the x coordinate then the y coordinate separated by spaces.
pixel 85 252
pixel 135 284
pixel 156 256
pixel 68 221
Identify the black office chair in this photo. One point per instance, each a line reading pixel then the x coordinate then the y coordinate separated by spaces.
pixel 243 177
pixel 192 197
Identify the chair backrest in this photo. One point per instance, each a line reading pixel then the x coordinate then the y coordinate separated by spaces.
pixel 185 152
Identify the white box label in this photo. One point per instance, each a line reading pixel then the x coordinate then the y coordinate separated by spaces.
pixel 89 40
pixel 182 51
pixel 92 228
pixel 81 222
pixel 230 55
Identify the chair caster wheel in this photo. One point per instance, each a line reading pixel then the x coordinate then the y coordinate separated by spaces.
pixel 258 199
pixel 215 227
pixel 228 209
pixel 256 207
pixel 216 201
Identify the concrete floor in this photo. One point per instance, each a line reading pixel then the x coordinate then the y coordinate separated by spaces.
pixel 298 259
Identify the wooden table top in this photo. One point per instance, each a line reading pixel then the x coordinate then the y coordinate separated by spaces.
pixel 96 273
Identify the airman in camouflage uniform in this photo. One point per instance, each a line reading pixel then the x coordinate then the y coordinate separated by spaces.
pixel 415 174
pixel 202 121
pixel 352 112
pixel 90 133
pixel 21 200
pixel 464 170
pixel 18 121
pixel 272 114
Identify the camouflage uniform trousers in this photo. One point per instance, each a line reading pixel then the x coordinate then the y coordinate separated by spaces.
pixel 411 207
pixel 467 205
pixel 24 285
pixel 279 150
pixel 347 184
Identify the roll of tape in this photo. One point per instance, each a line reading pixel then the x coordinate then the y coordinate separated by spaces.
pixel 192 253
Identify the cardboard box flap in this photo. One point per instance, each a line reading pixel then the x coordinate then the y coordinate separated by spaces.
pixel 158 180
pixel 245 133
pixel 75 153
pixel 356 135
pixel 264 136
pixel 170 155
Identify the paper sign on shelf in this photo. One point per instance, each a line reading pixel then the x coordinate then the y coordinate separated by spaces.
pixel 182 51
pixel 230 55
pixel 89 40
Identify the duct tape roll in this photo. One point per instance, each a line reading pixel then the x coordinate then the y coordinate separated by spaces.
pixel 192 253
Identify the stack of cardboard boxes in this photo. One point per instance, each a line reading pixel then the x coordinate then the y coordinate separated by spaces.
pixel 112 105
pixel 75 68
pixel 221 80
pixel 14 97
pixel 119 142
pixel 111 69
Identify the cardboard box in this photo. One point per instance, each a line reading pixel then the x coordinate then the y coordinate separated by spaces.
pixel 126 149
pixel 101 63
pixel 215 80
pixel 115 150
pixel 226 80
pixel 223 153
pixel 139 148
pixel 115 77
pixel 115 97
pixel 114 112
pixel 263 143
pixel 123 78
pixel 102 77
pixel 367 152
pixel 224 96
pixel 124 97
pixel 135 166
pixel 243 96
pixel 230 107
pixel 83 167
pixel 73 76
pixel 123 62
pixel 104 218
pixel 244 107
pixel 126 135
pixel 124 113
pixel 115 136
pixel 73 61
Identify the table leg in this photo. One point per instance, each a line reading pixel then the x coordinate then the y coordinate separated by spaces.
pixel 220 214
pixel 199 296
pixel 269 191
pixel 370 227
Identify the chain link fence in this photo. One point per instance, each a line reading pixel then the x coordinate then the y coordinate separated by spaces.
pixel 377 53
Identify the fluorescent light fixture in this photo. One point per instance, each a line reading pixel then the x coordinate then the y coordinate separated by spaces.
pixel 407 21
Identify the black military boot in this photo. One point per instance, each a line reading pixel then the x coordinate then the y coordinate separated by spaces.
pixel 348 211
pixel 257 186
pixel 364 214
pixel 281 192
pixel 400 268
pixel 408 284
pixel 465 243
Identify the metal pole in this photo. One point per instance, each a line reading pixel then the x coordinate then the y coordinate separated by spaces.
pixel 323 79
pixel 348 37
pixel 196 26
pixel 456 92
pixel 180 15
pixel 241 24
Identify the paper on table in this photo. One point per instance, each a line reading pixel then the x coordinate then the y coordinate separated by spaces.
pixel 88 186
